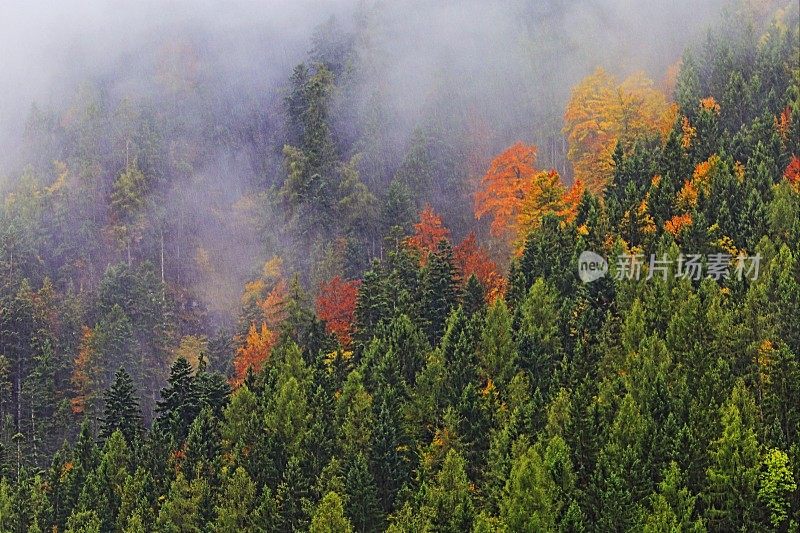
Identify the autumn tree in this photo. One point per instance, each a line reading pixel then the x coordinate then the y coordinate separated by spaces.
pixel 428 232
pixel 547 195
pixel 601 113
pixel 505 186
pixel 472 259
pixel 254 353
pixel 336 304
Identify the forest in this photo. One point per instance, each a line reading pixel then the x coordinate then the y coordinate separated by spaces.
pixel 306 294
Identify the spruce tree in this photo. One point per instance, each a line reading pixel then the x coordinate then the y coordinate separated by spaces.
pixel 362 496
pixel 180 402
pixel 440 290
pixel 329 516
pixel 121 410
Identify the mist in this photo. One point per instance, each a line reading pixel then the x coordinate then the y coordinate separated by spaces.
pixel 485 73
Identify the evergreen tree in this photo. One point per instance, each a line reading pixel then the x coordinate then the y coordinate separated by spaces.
pixel 180 511
pixel 449 497
pixel 234 507
pixel 329 516
pixel 180 402
pixel 734 469
pixel 291 498
pixel 527 502
pixel 362 499
pixel 440 290
pixel 121 409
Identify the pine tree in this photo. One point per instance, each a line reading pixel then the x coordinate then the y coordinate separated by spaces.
pixel 292 498
pixel 440 290
pixel 391 461
pixel 202 446
pixel 372 305
pixel 180 402
pixel 777 484
pixel 734 469
pixel 397 213
pixel 449 496
pixel 362 499
pixel 527 501
pixel 672 507
pixel 180 511
pixel 474 296
pixel 539 338
pixel 329 516
pixel 235 502
pixel 83 522
pixel 498 353
pixel 121 410
pixel 213 389
pixel 135 509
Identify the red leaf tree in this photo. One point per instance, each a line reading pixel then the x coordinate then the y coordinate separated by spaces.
pixel 471 259
pixel 428 232
pixel 336 305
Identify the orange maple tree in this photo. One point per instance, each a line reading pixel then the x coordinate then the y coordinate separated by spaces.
pixel 336 305
pixel 471 258
pixel 254 353
pixel 505 186
pixel 428 232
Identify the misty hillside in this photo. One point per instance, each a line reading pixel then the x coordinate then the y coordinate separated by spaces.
pixel 400 266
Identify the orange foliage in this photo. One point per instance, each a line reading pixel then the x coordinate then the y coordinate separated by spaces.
pixel 82 375
pixel 792 172
pixel 689 133
pixel 602 113
pixel 709 104
pixel 677 223
pixel 571 201
pixel 702 172
pixel 336 305
pixel 547 196
pixel 254 353
pixel 272 305
pixel 504 187
pixel 783 123
pixel 470 258
pixel 687 196
pixel 428 232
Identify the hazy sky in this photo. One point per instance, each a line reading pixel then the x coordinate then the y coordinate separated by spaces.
pixel 483 45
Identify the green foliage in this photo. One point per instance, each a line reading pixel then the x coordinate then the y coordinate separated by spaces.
pixel 616 405
pixel 329 516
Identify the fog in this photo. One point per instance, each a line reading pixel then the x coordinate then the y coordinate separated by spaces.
pixel 486 72
pixel 424 49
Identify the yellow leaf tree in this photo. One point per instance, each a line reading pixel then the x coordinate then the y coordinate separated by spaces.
pixel 602 113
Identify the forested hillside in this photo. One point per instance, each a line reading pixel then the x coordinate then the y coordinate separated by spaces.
pixel 287 316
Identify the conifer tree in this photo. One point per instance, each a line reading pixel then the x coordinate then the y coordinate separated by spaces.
pixel 734 469
pixel 329 516
pixel 234 507
pixel 440 290
pixel 449 497
pixel 180 402
pixel 121 410
pixel 362 499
